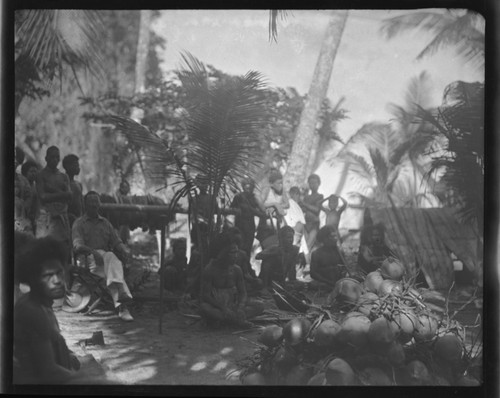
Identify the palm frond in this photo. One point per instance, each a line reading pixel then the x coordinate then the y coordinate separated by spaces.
pixel 425 21
pixel 380 167
pixel 273 25
pixel 223 123
pixel 56 37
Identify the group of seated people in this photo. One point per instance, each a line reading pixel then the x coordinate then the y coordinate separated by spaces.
pixel 51 203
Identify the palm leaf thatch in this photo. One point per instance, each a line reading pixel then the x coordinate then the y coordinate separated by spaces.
pixel 463 31
pixel 54 38
pixel 462 124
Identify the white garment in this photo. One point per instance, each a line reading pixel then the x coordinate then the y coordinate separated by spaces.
pixel 112 272
pixel 294 214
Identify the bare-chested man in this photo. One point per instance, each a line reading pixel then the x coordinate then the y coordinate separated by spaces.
pixel 326 261
pixel 54 194
pixel 223 292
pixel 72 166
pixel 334 212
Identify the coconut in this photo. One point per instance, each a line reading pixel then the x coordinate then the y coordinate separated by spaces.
pixel 326 333
pixel 449 348
pixel 299 375
pixel 375 377
pixel 296 330
pixel 389 287
pixel 367 302
pixel 416 374
pixel 285 357
pixel 254 379
pixel 340 373
pixel 392 269
pixel 425 328
pixel 373 281
pixel 381 332
pixel 404 324
pixel 354 330
pixel 396 354
pixel 347 291
pixel 271 336
pixel 318 379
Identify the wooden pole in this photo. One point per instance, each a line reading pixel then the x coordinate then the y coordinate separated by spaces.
pixel 162 268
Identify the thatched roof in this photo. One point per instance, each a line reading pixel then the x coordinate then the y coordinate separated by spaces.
pixel 424 238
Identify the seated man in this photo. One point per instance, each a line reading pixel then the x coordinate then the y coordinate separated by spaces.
pixel 326 259
pixel 41 355
pixel 372 249
pixel 279 260
pixel 252 283
pixel 95 238
pixel 223 292
pixel 174 272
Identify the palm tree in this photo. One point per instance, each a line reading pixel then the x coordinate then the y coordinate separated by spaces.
pixel 461 123
pixel 223 120
pixel 49 42
pixel 462 29
pixel 302 145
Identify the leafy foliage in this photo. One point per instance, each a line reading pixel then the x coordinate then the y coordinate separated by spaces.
pixel 463 30
pixel 461 123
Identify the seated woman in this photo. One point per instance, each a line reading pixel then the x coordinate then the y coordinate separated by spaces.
pixel 326 261
pixel 223 293
pixel 372 250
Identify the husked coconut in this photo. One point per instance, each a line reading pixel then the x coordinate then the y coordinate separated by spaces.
pixel 318 379
pixel 339 373
pixel 425 328
pixel 326 333
pixel 375 377
pixel 389 287
pixel 449 348
pixel 299 375
pixel 271 336
pixel 396 354
pixel 404 324
pixel 354 330
pixel 392 268
pixel 381 332
pixel 372 281
pixel 347 292
pixel 296 330
pixel 367 302
pixel 416 374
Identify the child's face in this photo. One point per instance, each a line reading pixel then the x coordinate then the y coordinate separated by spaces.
pixel 313 184
pixel 333 203
pixel 295 196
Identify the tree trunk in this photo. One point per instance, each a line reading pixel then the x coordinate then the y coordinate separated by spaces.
pixel 142 51
pixel 302 145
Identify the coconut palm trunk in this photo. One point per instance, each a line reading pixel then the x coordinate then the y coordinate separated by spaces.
pixel 304 139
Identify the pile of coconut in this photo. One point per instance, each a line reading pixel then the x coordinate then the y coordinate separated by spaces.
pixel 377 331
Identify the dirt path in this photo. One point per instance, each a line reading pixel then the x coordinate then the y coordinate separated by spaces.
pixel 185 353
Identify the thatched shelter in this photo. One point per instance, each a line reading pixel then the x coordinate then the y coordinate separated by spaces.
pixel 424 239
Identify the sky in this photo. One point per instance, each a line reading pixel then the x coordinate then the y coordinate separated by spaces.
pixel 369 70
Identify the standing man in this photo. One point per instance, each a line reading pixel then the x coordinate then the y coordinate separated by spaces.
pixel 96 239
pixel 311 205
pixel 22 196
pixel 249 207
pixel 75 208
pixel 54 195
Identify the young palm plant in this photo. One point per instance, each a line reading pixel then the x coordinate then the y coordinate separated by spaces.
pixel 224 119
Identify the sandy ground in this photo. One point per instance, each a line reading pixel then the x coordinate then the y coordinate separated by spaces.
pixel 187 352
